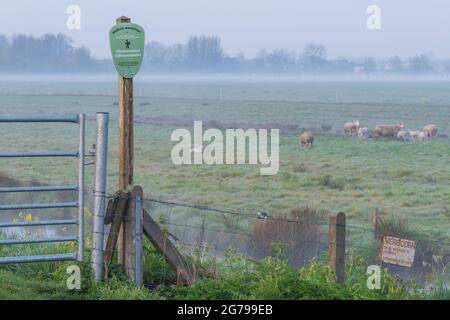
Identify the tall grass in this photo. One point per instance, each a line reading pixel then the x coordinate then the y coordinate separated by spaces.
pixel 298 232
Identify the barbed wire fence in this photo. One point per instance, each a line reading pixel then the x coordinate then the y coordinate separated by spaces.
pixel 206 235
pixel 250 234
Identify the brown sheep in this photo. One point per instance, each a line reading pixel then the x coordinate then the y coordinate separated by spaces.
pixel 351 128
pixel 306 139
pixel 388 130
pixel 430 130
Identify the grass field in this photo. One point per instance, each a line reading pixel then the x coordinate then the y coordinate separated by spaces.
pixel 407 179
pixel 403 179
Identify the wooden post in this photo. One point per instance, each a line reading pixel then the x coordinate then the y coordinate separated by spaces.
pixel 132 235
pixel 336 251
pixel 114 216
pixel 376 223
pixel 126 139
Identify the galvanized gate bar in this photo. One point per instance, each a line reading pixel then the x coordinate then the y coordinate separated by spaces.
pixel 39 206
pixel 40 118
pixel 39 223
pixel 38 189
pixel 44 257
pixel 39 154
pixel 81 148
pixel 79 204
pixel 38 240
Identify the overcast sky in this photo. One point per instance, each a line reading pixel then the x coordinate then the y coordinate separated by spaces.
pixel 407 27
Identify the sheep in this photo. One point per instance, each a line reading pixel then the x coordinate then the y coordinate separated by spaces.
pixel 365 133
pixel 404 135
pixel 351 128
pixel 362 132
pixel 422 136
pixel 430 130
pixel 388 130
pixel 414 134
pixel 306 139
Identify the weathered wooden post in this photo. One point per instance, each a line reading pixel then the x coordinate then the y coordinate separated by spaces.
pixel 336 250
pixel 132 235
pixel 126 124
pixel 114 216
pixel 376 223
pixel 127 42
pixel 126 141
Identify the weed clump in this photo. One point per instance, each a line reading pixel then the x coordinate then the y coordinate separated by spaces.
pixel 330 182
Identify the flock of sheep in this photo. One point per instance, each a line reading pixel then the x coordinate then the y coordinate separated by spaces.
pixel 389 131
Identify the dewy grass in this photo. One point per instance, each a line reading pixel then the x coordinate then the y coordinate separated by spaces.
pixel 234 277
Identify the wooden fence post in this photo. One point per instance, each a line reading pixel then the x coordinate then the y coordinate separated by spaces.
pixel 114 216
pixel 376 223
pixel 336 250
pixel 132 235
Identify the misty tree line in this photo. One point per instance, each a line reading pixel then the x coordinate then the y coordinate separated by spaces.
pixel 46 53
pixel 56 53
pixel 199 53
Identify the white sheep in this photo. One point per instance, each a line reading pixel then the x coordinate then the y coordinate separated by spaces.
pixel 422 136
pixel 404 135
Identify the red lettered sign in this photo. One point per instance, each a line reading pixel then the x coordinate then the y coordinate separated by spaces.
pixel 398 251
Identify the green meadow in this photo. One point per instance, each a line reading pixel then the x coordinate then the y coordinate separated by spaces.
pixel 406 179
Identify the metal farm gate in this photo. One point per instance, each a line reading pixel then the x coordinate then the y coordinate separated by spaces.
pixel 78 203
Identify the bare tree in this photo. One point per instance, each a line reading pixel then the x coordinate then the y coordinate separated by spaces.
pixel 420 64
pixel 204 52
pixel 314 56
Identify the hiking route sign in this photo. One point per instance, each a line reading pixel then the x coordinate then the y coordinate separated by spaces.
pixel 127 41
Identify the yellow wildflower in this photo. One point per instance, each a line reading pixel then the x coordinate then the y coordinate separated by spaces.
pixel 87 213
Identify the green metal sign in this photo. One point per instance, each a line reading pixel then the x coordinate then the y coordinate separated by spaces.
pixel 127 41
